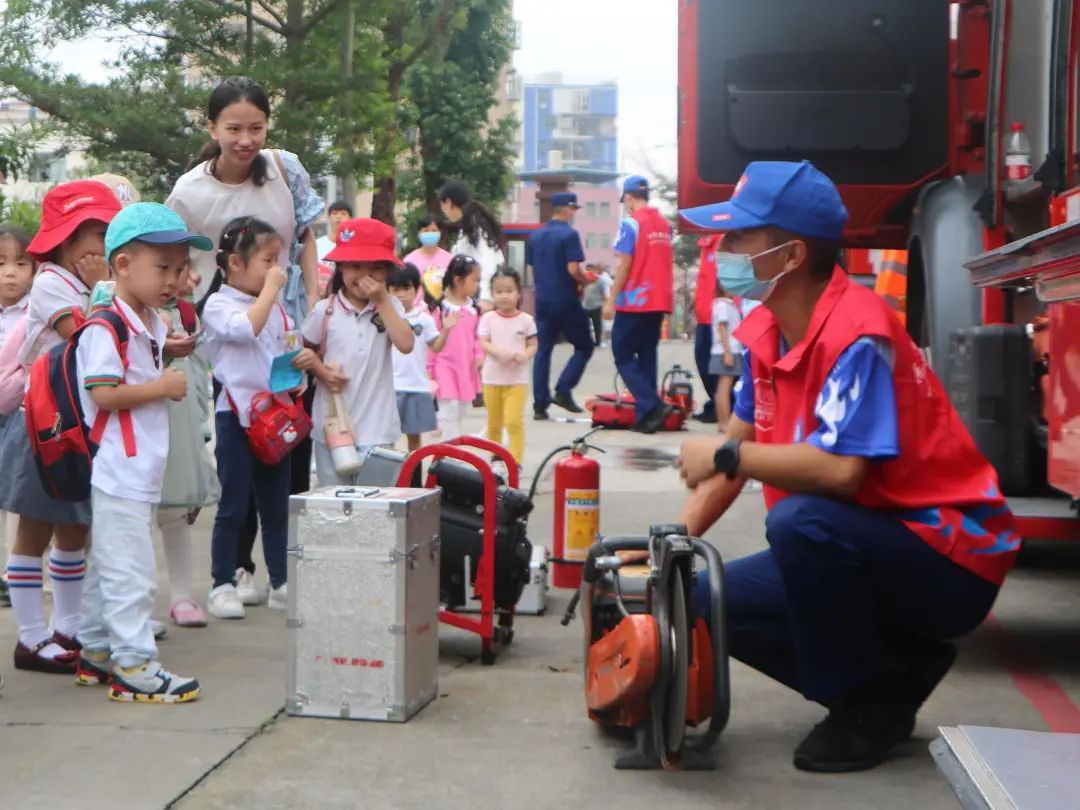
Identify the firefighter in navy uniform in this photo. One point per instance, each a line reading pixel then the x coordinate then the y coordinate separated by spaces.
pixel 888 536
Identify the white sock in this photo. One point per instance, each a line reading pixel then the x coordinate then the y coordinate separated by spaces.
pixel 24 584
pixel 176 541
pixel 67 570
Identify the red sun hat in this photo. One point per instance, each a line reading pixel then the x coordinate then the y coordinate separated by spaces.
pixel 68 206
pixel 364 240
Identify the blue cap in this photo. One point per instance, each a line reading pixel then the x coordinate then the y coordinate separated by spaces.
pixel 793 196
pixel 634 182
pixel 564 199
pixel 153 224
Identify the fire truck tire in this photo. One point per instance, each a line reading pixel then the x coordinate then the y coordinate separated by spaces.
pixel 945 233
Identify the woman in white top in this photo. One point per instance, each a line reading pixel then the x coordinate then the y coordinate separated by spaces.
pixel 479 234
pixel 236 176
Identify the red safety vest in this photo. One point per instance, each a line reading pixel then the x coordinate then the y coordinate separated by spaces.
pixel 706 279
pixel 939 474
pixel 648 288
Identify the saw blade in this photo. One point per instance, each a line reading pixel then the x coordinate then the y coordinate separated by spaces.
pixel 677 695
pixel 659 693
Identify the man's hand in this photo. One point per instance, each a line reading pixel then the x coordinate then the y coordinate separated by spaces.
pixel 609 309
pixel 179 345
pixel 276 279
pixel 306 360
pixel 334 379
pixel 696 459
pixel 371 289
pixel 174 384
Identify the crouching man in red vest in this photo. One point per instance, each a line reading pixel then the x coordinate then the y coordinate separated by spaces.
pixel 888 535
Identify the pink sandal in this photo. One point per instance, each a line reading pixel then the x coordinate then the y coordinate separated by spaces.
pixel 187 613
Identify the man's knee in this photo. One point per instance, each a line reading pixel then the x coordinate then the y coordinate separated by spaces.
pixel 790 516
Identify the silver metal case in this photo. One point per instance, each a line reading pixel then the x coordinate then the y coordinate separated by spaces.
pixel 363 614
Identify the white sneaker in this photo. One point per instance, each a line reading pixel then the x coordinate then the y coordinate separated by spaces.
pixel 152 683
pixel 225 603
pixel 278 598
pixel 245 588
pixel 160 629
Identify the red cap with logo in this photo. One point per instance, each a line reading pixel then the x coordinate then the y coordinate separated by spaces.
pixel 364 240
pixel 68 206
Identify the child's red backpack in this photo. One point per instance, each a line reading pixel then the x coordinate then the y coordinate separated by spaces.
pixel 62 443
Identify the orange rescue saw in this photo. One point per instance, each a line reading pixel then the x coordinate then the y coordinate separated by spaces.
pixel 652 664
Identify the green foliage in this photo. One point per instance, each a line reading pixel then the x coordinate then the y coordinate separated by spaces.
pixel 27 215
pixel 452 100
pixel 147 121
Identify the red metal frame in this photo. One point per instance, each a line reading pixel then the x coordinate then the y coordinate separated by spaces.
pixel 485 572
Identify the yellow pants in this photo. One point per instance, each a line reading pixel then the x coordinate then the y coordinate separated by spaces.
pixel 506 408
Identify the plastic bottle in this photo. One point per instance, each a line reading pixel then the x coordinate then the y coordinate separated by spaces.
pixel 1017 155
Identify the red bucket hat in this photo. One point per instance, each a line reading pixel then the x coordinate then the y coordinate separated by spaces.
pixel 364 240
pixel 68 206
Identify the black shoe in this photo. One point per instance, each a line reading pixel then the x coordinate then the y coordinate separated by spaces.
pixel 654 419
pixel 860 731
pixel 566 402
pixel 706 417
pixel 540 414
pixel 854 737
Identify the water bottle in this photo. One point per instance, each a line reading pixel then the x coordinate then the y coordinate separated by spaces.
pixel 1017 155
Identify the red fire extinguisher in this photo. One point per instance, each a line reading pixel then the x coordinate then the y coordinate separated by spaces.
pixel 577 509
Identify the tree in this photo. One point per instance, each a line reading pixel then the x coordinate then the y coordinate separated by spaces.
pixel 411 30
pixel 147 121
pixel 452 100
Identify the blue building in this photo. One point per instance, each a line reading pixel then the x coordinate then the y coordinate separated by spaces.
pixel 577 120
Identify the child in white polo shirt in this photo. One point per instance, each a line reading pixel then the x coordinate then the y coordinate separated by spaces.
pixel 246 329
pixel 353 331
pixel 416 403
pixel 147 246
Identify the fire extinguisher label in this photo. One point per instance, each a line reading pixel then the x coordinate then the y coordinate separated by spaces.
pixel 582 522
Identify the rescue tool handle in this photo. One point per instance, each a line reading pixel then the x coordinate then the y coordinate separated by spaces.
pixel 718 627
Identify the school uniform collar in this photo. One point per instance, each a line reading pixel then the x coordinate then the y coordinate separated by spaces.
pixel 22 303
pixel 236 295
pixel 67 275
pixel 347 305
pixel 134 322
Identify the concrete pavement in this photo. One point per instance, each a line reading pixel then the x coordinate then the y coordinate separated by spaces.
pixel 508 736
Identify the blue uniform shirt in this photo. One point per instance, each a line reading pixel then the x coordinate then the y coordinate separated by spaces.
pixel 856 409
pixel 549 251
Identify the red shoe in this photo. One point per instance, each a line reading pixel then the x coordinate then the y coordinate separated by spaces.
pixel 32 660
pixel 92 673
pixel 69 643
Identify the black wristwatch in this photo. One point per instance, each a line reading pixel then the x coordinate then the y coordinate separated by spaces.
pixel 726 459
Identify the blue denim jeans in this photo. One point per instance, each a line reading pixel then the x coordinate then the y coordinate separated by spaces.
pixel 241 473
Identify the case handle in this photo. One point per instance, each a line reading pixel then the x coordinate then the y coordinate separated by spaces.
pixel 353 492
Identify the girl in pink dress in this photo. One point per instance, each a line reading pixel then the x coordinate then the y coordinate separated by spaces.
pixel 456 369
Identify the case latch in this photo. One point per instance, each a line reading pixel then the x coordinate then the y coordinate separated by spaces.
pixel 296 551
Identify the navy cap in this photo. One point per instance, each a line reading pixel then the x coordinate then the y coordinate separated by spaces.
pixel 564 199
pixel 634 182
pixel 793 196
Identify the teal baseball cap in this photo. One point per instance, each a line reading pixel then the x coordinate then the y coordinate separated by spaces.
pixel 151 224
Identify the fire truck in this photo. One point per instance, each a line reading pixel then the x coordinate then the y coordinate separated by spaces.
pixel 908 106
